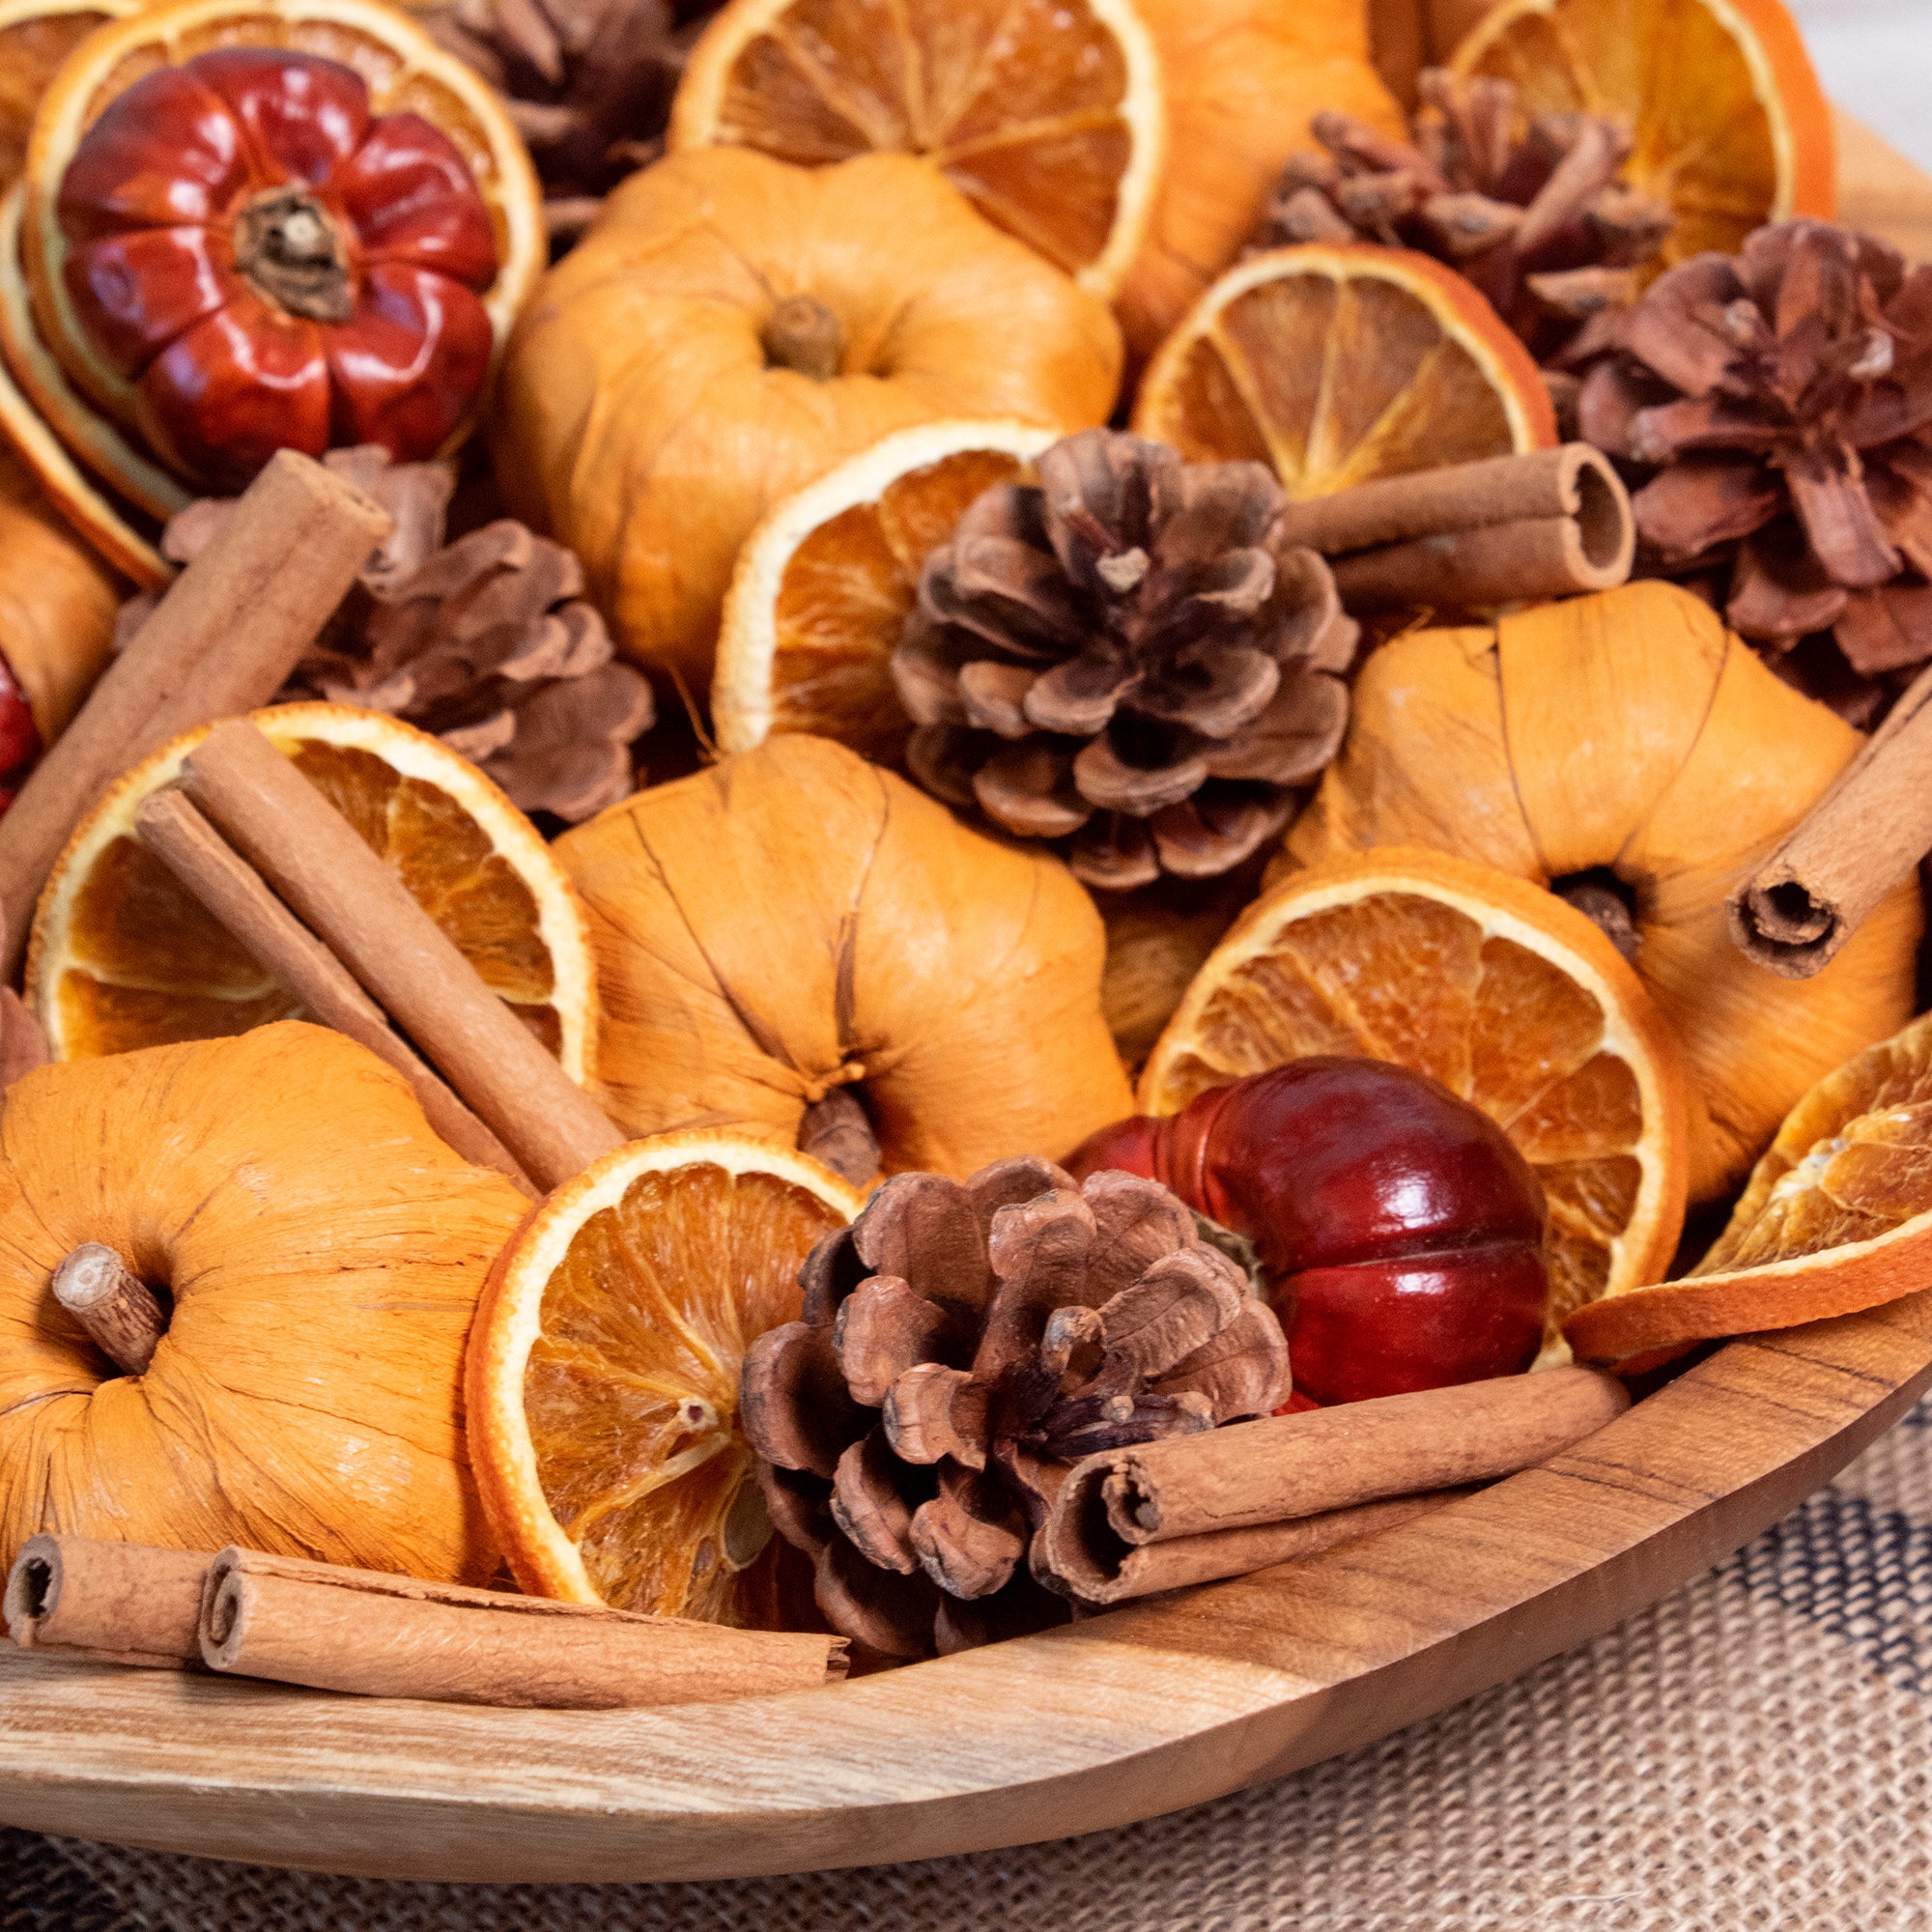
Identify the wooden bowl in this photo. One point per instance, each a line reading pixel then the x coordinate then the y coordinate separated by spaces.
pixel 1127 1715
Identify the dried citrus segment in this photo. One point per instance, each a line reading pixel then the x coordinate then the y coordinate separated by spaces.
pixel 404 69
pixel 35 35
pixel 122 956
pixel 1836 1217
pixel 1341 363
pixel 1046 114
pixel 825 583
pixel 1510 998
pixel 1730 126
pixel 603 1372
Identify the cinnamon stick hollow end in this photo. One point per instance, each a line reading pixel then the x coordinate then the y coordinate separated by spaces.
pixel 96 1599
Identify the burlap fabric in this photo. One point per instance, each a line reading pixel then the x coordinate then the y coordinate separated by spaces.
pixel 1756 1753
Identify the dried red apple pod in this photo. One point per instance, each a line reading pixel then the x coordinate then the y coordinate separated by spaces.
pixel 1399 1230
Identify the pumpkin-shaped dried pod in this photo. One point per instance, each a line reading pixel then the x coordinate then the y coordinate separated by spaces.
pixel 732 328
pixel 1128 660
pixel 963 1347
pixel 1628 751
pixel 316 1254
pixel 800 945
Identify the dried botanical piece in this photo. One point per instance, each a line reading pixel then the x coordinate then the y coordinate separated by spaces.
pixel 1128 660
pixel 589 84
pixel 485 643
pixel 1780 402
pixel 1531 207
pixel 963 1347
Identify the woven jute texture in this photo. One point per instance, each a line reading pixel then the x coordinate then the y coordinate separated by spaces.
pixel 1755 1752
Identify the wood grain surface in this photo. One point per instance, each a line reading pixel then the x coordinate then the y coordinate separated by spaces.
pixel 1123 1717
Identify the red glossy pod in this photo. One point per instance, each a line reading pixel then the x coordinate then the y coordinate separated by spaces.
pixel 1401 1232
pixel 274 267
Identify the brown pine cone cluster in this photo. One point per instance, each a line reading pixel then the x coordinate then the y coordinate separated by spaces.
pixel 962 1345
pixel 484 643
pixel 1531 209
pixel 589 82
pixel 1128 660
pixel 1778 406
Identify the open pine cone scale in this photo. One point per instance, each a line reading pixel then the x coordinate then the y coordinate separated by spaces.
pixel 1127 657
pixel 961 1346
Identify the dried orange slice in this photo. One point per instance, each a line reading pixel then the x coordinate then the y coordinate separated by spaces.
pixel 123 957
pixel 1341 362
pixel 825 583
pixel 603 1372
pixel 1509 997
pixel 1836 1217
pixel 404 69
pixel 1730 126
pixel 35 35
pixel 1045 114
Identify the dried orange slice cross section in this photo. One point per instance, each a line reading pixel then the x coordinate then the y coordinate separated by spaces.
pixel 1836 1217
pixel 405 71
pixel 35 35
pixel 1510 998
pixel 1340 363
pixel 1731 127
pixel 1045 114
pixel 825 583
pixel 603 1371
pixel 122 956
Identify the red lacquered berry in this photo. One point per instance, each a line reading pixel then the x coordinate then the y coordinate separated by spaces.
pixel 20 735
pixel 1401 1232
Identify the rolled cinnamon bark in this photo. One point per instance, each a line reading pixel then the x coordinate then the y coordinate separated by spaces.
pixel 109 1602
pixel 278 942
pixel 223 639
pixel 1498 563
pixel 380 1635
pixel 364 914
pixel 1574 482
pixel 1081 1556
pixel 1866 835
pixel 1289 1467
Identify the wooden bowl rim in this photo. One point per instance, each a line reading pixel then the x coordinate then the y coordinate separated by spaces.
pixel 1144 1710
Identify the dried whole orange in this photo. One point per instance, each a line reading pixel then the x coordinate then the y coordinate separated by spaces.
pixel 1730 126
pixel 340 274
pixel 1510 998
pixel 825 583
pixel 603 1372
pixel 1336 363
pixel 1836 1217
pixel 122 956
pixel 1045 114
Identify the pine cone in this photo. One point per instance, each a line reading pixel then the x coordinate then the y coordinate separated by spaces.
pixel 1780 402
pixel 1529 209
pixel 963 1347
pixel 589 84
pixel 483 643
pixel 1127 659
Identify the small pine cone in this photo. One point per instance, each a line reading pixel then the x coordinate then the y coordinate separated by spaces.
pixel 1127 659
pixel 1531 209
pixel 1776 407
pixel 589 82
pixel 484 643
pixel 963 1347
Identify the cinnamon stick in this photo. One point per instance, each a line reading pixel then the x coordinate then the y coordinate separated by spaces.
pixel 381 1635
pixel 1470 535
pixel 222 641
pixel 364 914
pixel 107 1603
pixel 278 942
pixel 1083 1558
pixel 1860 841
pixel 1291 1467
pixel 120 1312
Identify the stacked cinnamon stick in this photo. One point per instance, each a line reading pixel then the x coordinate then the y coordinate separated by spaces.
pixel 247 1614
